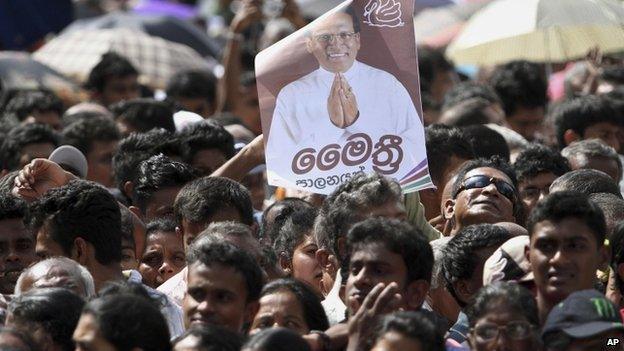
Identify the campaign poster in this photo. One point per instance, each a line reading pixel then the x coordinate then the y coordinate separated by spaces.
pixel 341 96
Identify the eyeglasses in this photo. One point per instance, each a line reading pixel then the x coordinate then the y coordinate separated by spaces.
pixel 516 330
pixel 481 181
pixel 326 38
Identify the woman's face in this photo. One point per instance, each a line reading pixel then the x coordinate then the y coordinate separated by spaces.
pixel 162 259
pixel 305 267
pixel 502 329
pixel 280 309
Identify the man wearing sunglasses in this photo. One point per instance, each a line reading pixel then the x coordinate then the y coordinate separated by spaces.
pixel 484 192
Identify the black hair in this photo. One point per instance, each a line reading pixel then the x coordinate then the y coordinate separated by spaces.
pixel 56 310
pixel 459 255
pixel 341 209
pixel 165 225
pixel 294 231
pixel 68 119
pixel 131 288
pixel 138 147
pixel 313 312
pixel 193 84
pixel 569 204
pixel 111 65
pixel 82 209
pixel 212 338
pixel 12 207
pixel 286 207
pixel 519 84
pixel 513 296
pixel 129 321
pixel 206 134
pixel 586 181
pixel 612 74
pixel 224 253
pixel 469 90
pixel 583 151
pixel 145 114
pixel 350 10
pixel 83 133
pixel 26 339
pixel 580 113
pixel 616 243
pixel 21 136
pixel 127 226
pixel 276 339
pixel 416 325
pixel 538 158
pixel 431 62
pixel 486 142
pixel 399 237
pixel 468 112
pixel 442 143
pixel 157 173
pixel 26 102
pixel 201 198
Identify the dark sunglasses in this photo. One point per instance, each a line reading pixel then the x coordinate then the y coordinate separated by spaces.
pixel 481 181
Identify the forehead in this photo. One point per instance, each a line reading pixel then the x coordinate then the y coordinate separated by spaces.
pixel 333 22
pixel 216 276
pixel 565 229
pixel 489 172
pixel 375 252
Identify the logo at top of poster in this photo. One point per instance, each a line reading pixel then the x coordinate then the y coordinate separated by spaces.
pixel 383 13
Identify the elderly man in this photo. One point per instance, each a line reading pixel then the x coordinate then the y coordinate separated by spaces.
pixel 342 99
pixel 57 272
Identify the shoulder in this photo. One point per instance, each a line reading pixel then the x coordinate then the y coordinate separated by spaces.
pixel 309 81
pixel 380 76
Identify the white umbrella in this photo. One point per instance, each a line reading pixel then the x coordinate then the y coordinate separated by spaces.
pixel 540 31
pixel 76 53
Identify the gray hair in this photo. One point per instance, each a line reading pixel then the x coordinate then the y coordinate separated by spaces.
pixel 583 150
pixel 73 268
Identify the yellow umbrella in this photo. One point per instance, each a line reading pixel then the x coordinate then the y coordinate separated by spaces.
pixel 539 31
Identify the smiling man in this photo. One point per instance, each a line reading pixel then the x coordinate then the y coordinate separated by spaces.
pixel 341 98
pixel 566 248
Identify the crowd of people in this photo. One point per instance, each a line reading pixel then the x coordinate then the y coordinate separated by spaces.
pixel 134 223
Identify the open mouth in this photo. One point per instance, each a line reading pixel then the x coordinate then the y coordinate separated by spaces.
pixel 336 56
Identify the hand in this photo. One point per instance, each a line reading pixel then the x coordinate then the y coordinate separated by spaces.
pixel 380 301
pixel 348 101
pixel 39 176
pixel 334 105
pixel 248 13
pixel 438 222
pixel 255 150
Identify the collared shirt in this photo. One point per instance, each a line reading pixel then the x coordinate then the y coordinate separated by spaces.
pixel 301 120
pixel 172 312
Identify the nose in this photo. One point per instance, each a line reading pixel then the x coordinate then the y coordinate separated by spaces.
pixel 559 258
pixel 205 307
pixel 490 189
pixel 165 268
pixel 362 279
pixel 12 257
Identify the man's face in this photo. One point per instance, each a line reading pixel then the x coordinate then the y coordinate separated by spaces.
pixel 17 251
pixel 370 265
pixel 117 89
pixel 191 230
pixel 161 203
pixel 527 121
pixel 483 205
pixel 334 43
pixel 46 247
pixel 88 336
pixel 535 189
pixel 605 131
pixel 216 295
pixel 100 160
pixel 564 257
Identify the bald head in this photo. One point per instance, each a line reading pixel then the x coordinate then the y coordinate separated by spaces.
pixel 59 272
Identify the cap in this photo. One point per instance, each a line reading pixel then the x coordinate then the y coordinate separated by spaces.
pixel 508 262
pixel 581 315
pixel 69 156
pixel 182 119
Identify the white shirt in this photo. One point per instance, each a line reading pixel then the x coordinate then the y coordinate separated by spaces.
pixel 175 287
pixel 334 308
pixel 301 120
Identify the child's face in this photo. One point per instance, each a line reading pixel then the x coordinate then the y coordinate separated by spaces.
pixel 162 259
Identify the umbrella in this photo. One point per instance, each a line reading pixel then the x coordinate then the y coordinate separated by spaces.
pixel 540 31
pixel 19 71
pixel 77 52
pixel 166 27
pixel 438 26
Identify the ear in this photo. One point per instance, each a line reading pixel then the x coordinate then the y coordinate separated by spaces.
pixel 415 294
pixel 605 256
pixel 570 136
pixel 527 253
pixel 326 260
pixel 285 263
pixel 80 252
pixel 128 188
pixel 136 210
pixel 250 311
pixel 309 44
pixel 449 209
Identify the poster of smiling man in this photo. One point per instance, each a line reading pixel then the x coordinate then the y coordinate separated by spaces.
pixel 341 96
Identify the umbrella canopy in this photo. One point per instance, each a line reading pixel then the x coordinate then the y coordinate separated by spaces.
pixel 19 71
pixel 77 52
pixel 166 27
pixel 540 31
